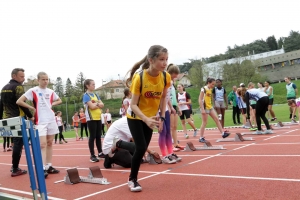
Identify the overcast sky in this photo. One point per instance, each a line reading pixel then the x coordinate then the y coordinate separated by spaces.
pixel 105 38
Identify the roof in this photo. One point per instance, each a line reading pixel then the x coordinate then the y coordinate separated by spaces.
pixel 180 76
pixel 113 84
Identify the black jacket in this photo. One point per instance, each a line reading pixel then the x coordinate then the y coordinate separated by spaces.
pixel 10 93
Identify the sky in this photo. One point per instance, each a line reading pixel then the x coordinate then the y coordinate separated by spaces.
pixel 104 39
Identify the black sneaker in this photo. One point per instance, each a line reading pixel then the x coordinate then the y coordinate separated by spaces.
pixel 107 162
pixel 225 134
pixel 94 159
pixel 45 173
pixel 202 140
pixel 235 123
pixel 101 155
pixel 134 186
pixel 52 170
pixel 18 172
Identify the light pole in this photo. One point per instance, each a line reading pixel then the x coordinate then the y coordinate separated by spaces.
pixel 103 81
pixel 119 76
pixel 75 105
pixel 67 109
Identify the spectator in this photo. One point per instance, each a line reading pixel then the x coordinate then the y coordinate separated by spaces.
pixel 232 97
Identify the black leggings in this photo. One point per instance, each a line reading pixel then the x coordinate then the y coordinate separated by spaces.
pixel 141 135
pixel 6 139
pixel 17 151
pixel 61 136
pixel 261 109
pixel 236 112
pixel 95 134
pixel 103 131
pixel 84 125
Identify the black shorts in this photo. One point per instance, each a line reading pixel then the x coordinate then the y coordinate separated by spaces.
pixel 109 122
pixel 75 126
pixel 289 98
pixel 243 111
pixel 253 106
pixel 175 107
pixel 186 114
pixel 271 101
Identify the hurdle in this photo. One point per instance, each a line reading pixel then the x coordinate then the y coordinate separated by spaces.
pixel 206 146
pixel 95 176
pixel 19 127
pixel 237 138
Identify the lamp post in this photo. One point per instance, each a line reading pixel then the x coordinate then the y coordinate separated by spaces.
pixel 75 105
pixel 119 76
pixel 103 81
pixel 67 109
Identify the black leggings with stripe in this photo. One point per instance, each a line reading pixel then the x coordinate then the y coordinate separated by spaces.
pixel 141 135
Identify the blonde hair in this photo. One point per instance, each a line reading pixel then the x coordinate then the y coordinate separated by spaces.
pixel 173 69
pixel 41 74
pixel 241 92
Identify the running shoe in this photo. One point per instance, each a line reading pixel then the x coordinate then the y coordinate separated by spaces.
pixel 253 129
pixel 134 186
pixel 186 136
pixel 52 170
pixel 45 173
pixel 273 119
pixel 101 155
pixel 294 121
pixel 18 172
pixel 179 147
pixel 220 117
pixel 225 134
pixel 267 132
pixel 168 160
pixel 9 149
pixel 202 140
pixel 175 149
pixel 175 157
pixel 258 132
pixel 94 159
pixel 195 132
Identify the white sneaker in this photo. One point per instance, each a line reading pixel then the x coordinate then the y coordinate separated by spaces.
pixel 268 131
pixel 168 160
pixel 134 186
pixel 195 132
pixel 186 136
pixel 258 132
pixel 175 157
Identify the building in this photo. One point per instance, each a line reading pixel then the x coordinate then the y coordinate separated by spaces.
pixel 112 90
pixel 32 82
pixel 183 79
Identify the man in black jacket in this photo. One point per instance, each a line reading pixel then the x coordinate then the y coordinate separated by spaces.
pixel 10 93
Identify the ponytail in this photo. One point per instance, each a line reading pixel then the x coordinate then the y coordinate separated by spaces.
pixel 209 80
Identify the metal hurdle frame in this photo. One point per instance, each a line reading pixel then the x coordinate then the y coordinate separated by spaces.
pixel 19 127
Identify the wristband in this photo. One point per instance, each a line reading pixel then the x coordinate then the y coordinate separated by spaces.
pixel 163 119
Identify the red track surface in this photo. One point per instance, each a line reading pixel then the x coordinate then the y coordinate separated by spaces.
pixel 267 168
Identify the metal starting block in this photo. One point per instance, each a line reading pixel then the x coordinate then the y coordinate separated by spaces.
pixel 95 176
pixel 12 127
pixel 206 146
pixel 237 138
pixel 153 159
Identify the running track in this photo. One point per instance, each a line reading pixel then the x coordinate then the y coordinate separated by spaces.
pixel 267 168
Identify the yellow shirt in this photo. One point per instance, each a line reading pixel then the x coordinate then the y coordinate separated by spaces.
pixel 93 114
pixel 207 97
pixel 150 96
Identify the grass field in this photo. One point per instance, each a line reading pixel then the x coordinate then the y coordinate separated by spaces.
pixel 281 112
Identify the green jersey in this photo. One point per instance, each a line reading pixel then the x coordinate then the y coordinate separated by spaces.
pixel 268 92
pixel 290 88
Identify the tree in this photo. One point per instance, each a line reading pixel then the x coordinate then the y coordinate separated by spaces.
pixel 196 73
pixel 58 87
pixel 79 85
pixel 237 73
pixel 292 42
pixel 272 43
pixel 185 67
pixel 69 90
pixel 280 42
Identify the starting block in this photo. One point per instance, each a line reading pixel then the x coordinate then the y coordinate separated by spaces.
pixel 154 160
pixel 206 146
pixel 95 176
pixel 237 138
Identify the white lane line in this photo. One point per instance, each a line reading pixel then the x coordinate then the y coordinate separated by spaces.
pixel 235 177
pixel 280 135
pixel 27 193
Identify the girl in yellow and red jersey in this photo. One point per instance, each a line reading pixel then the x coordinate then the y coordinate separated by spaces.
pixel 148 89
pixel 206 108
pixel 93 106
pixel 75 120
pixel 83 124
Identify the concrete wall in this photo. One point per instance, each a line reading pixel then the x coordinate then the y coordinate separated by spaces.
pixel 278 74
